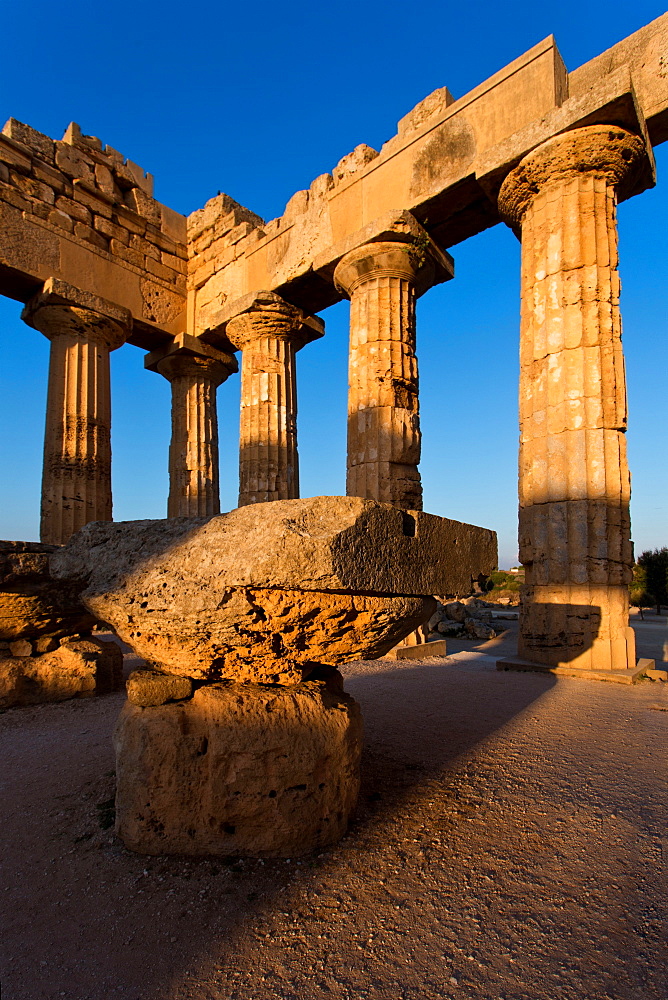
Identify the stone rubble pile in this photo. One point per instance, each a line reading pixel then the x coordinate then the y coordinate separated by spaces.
pixel 469 618
pixel 46 650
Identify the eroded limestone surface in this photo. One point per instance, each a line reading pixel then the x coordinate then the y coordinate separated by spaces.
pixel 265 594
pixel 79 668
pixel 32 604
pixel 239 769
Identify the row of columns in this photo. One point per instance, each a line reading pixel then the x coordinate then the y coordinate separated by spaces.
pixel 574 480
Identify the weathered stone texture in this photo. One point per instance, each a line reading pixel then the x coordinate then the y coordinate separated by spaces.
pixel 322 543
pixel 267 593
pixel 269 333
pixel 32 604
pixel 79 211
pixel 238 769
pixel 79 668
pixel 382 281
pixel 574 479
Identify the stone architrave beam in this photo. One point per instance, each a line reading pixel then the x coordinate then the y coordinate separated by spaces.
pixel 83 330
pixel 195 370
pixel 445 166
pixel 574 480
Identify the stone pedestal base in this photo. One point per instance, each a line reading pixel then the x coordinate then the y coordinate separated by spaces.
pixel 245 769
pixel 629 676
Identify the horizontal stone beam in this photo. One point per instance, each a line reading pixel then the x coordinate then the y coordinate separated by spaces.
pixel 444 167
pixel 81 213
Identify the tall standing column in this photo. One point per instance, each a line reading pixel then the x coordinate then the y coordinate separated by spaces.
pixel 83 330
pixel 195 371
pixel 574 481
pixel 269 334
pixel 382 281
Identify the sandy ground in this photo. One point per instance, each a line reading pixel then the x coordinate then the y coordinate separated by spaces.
pixel 511 844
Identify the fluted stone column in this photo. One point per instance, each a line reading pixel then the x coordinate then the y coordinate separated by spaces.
pixel 83 330
pixel 269 334
pixel 574 481
pixel 194 370
pixel 382 281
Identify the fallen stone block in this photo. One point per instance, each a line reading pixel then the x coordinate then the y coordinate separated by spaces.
pixel 238 769
pixel 76 669
pixel 264 595
pixel 32 604
pixel 11 682
pixel 435 647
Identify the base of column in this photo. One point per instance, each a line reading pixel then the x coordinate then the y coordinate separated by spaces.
pixel 629 676
pixel 579 626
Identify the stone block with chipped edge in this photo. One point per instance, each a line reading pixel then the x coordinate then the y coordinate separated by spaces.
pixel 269 591
pixel 184 344
pixel 151 687
pixel 238 769
pixel 322 543
pixel 311 327
pixel 436 647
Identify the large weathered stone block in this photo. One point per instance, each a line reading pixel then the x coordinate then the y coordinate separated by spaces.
pixel 267 592
pixel 238 769
pixel 79 668
pixel 32 604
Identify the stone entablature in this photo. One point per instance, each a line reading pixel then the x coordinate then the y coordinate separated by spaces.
pixel 76 210
pixel 445 165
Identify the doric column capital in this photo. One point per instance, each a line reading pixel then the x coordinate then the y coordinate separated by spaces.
pixel 607 151
pixel 266 314
pixel 61 309
pixel 415 260
pixel 188 356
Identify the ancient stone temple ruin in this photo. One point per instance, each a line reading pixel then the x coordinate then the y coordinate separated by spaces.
pixel 99 262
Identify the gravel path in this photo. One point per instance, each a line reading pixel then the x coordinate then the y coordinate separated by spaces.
pixel 511 844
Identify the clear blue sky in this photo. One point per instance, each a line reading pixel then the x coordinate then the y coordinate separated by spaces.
pixel 258 99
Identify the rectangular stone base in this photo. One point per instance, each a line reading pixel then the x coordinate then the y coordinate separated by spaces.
pixel 563 670
pixel 435 648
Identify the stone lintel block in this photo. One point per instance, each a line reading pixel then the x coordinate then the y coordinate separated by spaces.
pixel 184 345
pixel 60 293
pixel 644 53
pixel 612 101
pixel 347 544
pixel 392 227
pixel 307 328
pixel 238 769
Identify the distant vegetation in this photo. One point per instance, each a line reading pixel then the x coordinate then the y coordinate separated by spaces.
pixel 504 584
pixel 650 580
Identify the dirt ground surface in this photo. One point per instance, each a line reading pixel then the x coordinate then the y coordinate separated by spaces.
pixel 511 844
